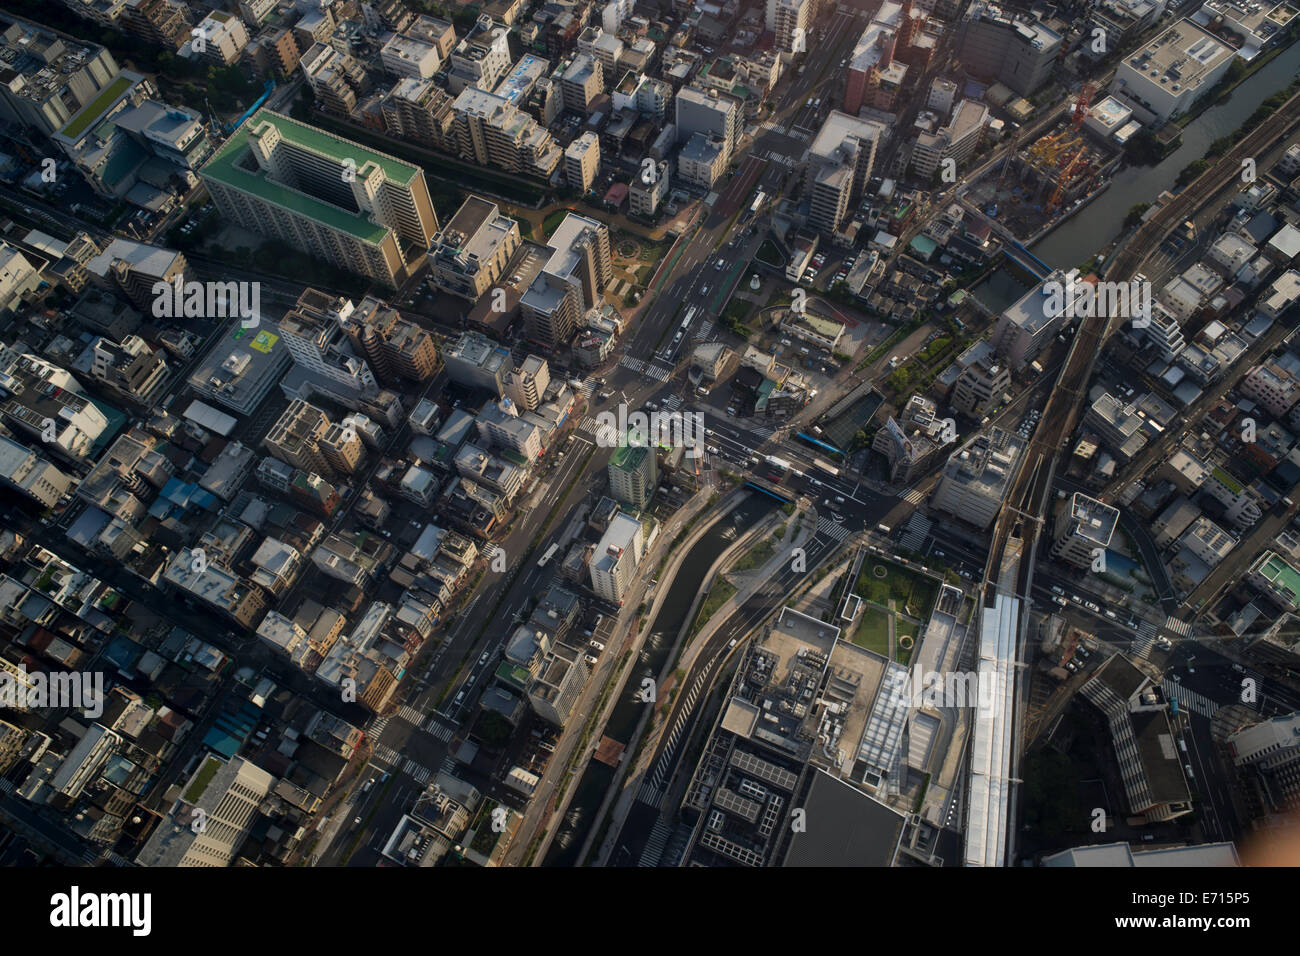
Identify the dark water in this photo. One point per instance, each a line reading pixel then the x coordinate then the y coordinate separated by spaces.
pixel 1099 222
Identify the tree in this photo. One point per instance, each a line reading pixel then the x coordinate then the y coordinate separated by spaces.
pixel 1135 214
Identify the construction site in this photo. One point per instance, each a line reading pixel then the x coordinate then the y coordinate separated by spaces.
pixel 1040 184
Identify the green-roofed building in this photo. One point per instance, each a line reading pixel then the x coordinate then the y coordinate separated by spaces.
pixel 633 474
pixel 362 210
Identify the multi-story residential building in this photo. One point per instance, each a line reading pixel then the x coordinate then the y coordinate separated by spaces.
pixel 616 558
pixel 710 113
pixel 410 56
pixel 136 269
pixel 481 59
pixel 490 130
pixel 484 468
pixel 477 361
pixel 633 475
pixel 314 335
pixel 1164 333
pixel 27 472
pixel 1277 579
pixel 1273 386
pixel 396 348
pixel 419 110
pixel 219 37
pixel 216 586
pixel 581 81
pixel 50 75
pixel 46 403
pixel 703 160
pixel 1122 20
pixel 909 446
pixel 791 21
pixel 983 380
pixel 975 479
pixel 296 438
pixel 605 48
pixel 526 385
pixel 131 369
pixel 876 71
pixel 1025 328
pixel 164 22
pixel 83 762
pixel 1162 79
pixel 1083 531
pixel 361 210
pixel 559 682
pixel 228 794
pixel 18 277
pixel 337 80
pixel 582 162
pixel 473 249
pixel 1017 51
pixel 1170 524
pixel 957 141
pixel 1272 749
pixel 643 199
pixel 840 160
pixel 500 425
pixel 572 281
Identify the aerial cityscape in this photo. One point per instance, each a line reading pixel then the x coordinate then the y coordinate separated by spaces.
pixel 649 433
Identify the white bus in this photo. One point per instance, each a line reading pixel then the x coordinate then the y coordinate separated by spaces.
pixel 550 553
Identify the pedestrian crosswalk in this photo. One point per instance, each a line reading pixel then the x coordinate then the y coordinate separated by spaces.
pixel 410 715
pixel 386 755
pixel 915 532
pixel 441 731
pixel 913 496
pixel 1146 634
pixel 448 764
pixel 651 795
pixel 1178 626
pixel 1190 699
pixel 588 387
pixel 836 532
pixel 652 369
pixel 705 330
pixel 764 433
pixel 376 729
pixel 672 403
pixel 654 848
pixel 420 773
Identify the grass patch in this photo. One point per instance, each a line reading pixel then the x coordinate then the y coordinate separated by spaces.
pixel 202 779
pixel 757 556
pixel 718 595
pixel 913 593
pixel 873 631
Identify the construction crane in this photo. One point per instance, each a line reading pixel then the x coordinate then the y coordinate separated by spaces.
pixel 1059 192
pixel 1011 151
pixel 1082 103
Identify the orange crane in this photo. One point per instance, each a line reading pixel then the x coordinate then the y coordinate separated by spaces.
pixel 1082 103
pixel 1059 192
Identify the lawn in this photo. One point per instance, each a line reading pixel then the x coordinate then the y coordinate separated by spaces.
pixel 756 557
pixel 873 631
pixel 913 593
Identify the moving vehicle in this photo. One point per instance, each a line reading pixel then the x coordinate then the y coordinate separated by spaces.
pixel 826 467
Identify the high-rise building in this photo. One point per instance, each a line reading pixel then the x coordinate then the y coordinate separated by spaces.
pixel 1084 526
pixel 23 470
pixel 477 361
pixel 419 110
pixel 710 113
pixel 491 130
pixel 50 76
pixel 296 438
pixel 1272 749
pixel 976 477
pixel 361 210
pixel 633 474
pixel 1016 50
pixel 581 81
pixel 572 281
pixel 1163 78
pixel 616 559
pixel 410 56
pixel 131 369
pixel 1025 328
pixel 582 162
pixel 643 198
pixel 227 795
pixel 956 141
pixel 791 21
pixel 526 385
pixel 983 380
pixel 219 37
pixel 396 348
pixel 164 22
pixel 313 333
pixel 473 249
pixel 840 160
pixel 482 58
pixel 338 80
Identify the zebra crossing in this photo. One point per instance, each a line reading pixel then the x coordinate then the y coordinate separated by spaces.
pixel 651 795
pixel 652 369
pixel 448 764
pixel 1190 699
pixel 587 388
pixel 672 403
pixel 420 773
pixel 1178 626
pixel 409 714
pixel 654 848
pixel 915 532
pixel 382 753
pixel 1146 635
pixel 441 731
pixel 836 532
pixel 377 727
pixel 913 497
pixel 764 433
pixel 705 330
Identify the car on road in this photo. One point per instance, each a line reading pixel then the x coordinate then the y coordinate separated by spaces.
pixel 704 291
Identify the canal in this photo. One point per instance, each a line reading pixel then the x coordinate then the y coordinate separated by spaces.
pixel 1100 221
pixel 654 652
